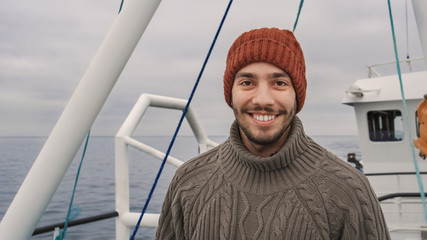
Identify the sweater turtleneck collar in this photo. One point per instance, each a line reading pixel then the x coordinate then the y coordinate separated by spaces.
pixel 265 174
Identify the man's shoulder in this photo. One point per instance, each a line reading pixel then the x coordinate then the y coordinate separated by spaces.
pixel 198 166
pixel 336 164
pixel 329 161
pixel 343 174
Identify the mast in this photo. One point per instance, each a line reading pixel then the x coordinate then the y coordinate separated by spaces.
pixel 77 118
pixel 420 10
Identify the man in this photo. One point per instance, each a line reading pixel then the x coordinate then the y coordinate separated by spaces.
pixel 269 180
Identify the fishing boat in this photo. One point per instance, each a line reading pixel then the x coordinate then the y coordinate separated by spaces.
pixel 387 127
pixel 384 138
pixel 385 144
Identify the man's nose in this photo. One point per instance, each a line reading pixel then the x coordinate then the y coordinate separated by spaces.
pixel 263 96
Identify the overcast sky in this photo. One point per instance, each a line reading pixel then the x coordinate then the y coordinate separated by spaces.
pixel 47 45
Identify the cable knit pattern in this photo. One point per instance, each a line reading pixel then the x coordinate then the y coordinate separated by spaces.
pixel 301 192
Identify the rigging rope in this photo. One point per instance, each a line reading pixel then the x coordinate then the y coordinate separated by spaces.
pixel 407 30
pixel 299 12
pixel 63 232
pixel 67 219
pixel 406 115
pixel 121 6
pixel 180 122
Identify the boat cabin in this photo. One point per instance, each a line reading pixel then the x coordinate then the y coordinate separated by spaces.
pixel 379 111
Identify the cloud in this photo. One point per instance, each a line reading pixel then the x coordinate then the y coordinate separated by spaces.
pixel 47 45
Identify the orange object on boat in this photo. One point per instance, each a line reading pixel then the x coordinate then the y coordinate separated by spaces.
pixel 421 142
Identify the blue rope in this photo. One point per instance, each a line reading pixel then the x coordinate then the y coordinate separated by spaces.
pixel 121 5
pixel 299 12
pixel 406 115
pixel 67 219
pixel 180 122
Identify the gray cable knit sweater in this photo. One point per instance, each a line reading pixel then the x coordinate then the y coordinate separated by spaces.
pixel 301 192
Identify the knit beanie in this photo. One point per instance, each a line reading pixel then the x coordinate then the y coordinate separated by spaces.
pixel 268 45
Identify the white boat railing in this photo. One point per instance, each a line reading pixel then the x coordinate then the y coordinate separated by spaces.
pixel 400 202
pixel 124 139
pixel 372 73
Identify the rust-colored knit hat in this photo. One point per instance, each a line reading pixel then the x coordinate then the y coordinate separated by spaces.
pixel 269 45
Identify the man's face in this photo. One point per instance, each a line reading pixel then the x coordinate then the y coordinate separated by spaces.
pixel 264 103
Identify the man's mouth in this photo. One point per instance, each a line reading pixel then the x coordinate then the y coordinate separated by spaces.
pixel 264 117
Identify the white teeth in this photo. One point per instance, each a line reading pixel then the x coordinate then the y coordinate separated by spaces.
pixel 264 118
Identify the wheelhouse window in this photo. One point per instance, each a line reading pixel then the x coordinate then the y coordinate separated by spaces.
pixel 385 126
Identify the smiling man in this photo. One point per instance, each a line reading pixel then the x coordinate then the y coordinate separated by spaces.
pixel 269 180
pixel 264 103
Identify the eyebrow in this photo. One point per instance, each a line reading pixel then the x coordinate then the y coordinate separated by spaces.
pixel 271 75
pixel 278 75
pixel 244 75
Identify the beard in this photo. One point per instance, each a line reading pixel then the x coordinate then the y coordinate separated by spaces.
pixel 264 138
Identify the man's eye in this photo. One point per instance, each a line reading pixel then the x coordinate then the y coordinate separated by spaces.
pixel 281 83
pixel 246 83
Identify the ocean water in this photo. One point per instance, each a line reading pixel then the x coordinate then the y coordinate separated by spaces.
pixel 95 190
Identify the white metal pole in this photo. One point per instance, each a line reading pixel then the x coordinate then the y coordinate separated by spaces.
pixel 122 187
pixel 420 10
pixel 78 116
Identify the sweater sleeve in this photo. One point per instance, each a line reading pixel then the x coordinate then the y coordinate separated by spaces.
pixel 353 206
pixel 365 221
pixel 174 220
pixel 170 223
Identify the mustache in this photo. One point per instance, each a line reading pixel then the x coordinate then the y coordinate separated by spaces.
pixel 265 109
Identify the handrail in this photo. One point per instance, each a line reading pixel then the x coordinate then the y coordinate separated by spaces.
pixel 416 229
pixel 126 219
pixel 50 228
pixel 372 73
pixel 395 195
pixel 124 139
pixel 404 194
pixel 392 173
